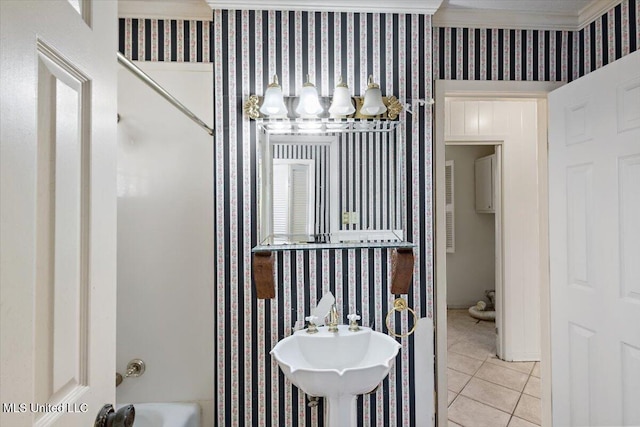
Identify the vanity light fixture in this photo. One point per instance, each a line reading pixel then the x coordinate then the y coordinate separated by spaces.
pixel 273 105
pixel 346 111
pixel 373 104
pixel 309 105
pixel 341 104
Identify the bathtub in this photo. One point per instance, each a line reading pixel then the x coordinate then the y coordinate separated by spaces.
pixel 166 414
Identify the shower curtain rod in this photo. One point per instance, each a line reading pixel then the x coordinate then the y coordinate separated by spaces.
pixel 129 65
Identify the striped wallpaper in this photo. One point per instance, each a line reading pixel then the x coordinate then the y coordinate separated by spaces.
pixel 500 54
pixel 369 182
pixel 397 50
pixel 458 53
pixel 250 388
pixel 612 36
pixel 167 40
pixel 543 55
pixel 394 48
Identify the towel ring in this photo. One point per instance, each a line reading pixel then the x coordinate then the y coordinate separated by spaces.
pixel 401 305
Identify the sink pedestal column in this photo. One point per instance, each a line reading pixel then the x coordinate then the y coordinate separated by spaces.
pixel 340 411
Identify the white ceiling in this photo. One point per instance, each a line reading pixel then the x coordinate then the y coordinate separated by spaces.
pixel 526 6
pixel 525 14
pixel 535 14
pixel 175 9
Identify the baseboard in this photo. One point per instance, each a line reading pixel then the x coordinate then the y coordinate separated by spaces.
pixel 525 357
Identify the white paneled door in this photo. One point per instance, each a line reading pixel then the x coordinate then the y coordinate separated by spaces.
pixel 594 225
pixel 57 210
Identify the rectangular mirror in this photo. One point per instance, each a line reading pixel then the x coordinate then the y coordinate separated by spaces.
pixel 341 186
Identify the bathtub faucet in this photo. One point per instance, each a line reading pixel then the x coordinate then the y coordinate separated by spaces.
pixel 135 368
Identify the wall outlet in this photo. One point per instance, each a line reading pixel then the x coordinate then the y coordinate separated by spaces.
pixel 350 217
pixel 346 217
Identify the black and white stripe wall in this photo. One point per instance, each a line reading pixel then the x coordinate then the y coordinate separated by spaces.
pixel 395 49
pixel 458 53
pixel 540 55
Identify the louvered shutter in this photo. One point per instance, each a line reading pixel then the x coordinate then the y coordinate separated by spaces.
pixel 299 199
pixel 449 206
pixel 280 199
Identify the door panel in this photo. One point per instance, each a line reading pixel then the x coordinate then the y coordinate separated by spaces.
pixel 630 375
pixel 629 228
pixel 594 206
pixel 58 211
pixel 62 230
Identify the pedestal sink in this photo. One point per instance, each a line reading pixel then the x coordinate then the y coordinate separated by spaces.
pixel 337 366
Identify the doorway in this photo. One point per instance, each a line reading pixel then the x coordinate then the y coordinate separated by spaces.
pixel 531 96
pixel 482 387
pixel 473 226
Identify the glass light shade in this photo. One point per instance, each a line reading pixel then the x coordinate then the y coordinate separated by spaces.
pixel 273 104
pixel 341 104
pixel 373 104
pixel 309 105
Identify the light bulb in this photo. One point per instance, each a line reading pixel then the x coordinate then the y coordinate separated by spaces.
pixel 273 105
pixel 309 105
pixel 373 104
pixel 341 104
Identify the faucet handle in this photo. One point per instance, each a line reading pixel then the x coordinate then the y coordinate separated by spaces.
pixel 353 322
pixel 312 329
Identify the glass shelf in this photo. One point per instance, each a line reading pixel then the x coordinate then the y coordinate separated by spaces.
pixel 343 245
pixel 380 239
pixel 325 125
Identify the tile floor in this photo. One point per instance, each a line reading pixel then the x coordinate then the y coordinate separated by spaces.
pixel 485 391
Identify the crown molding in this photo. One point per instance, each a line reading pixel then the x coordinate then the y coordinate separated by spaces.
pixel 185 9
pixel 594 10
pixel 486 18
pixel 426 7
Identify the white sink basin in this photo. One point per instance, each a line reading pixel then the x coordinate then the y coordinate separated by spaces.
pixel 337 366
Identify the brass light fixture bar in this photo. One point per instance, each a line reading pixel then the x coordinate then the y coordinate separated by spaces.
pixel 394 108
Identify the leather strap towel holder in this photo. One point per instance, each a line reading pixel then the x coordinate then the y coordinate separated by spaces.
pixel 402 260
pixel 263 274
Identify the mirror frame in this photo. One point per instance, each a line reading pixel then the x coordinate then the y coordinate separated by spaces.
pixel 271 132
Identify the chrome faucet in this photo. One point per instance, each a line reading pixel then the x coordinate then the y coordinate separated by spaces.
pixel 333 319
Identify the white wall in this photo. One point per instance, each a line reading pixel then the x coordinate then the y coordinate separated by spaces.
pixel 471 268
pixel 514 122
pixel 165 237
